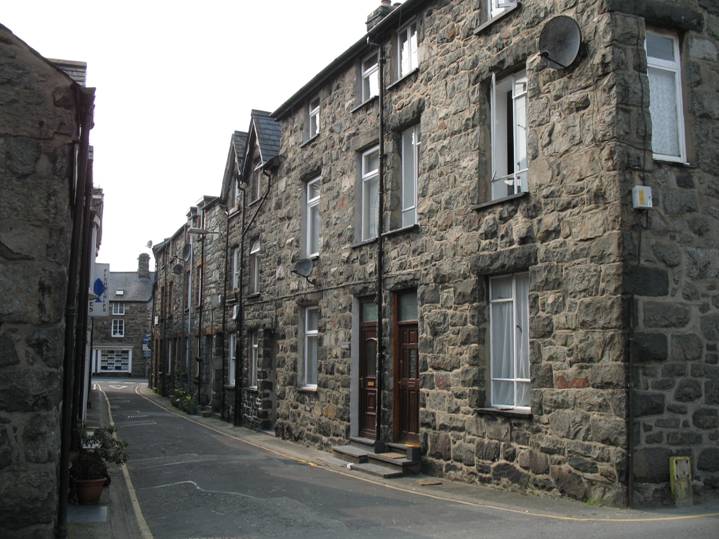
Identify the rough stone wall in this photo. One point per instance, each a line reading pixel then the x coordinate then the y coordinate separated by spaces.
pixel 672 255
pixel 37 123
pixel 137 325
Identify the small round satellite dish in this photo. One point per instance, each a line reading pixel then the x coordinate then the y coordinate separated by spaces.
pixel 559 42
pixel 186 251
pixel 303 267
pixel 177 269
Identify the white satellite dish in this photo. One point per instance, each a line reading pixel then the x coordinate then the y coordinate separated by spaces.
pixel 560 41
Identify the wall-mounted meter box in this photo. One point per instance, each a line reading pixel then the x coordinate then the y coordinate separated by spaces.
pixel 641 197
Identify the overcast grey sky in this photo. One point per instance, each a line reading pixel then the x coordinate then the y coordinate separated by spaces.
pixel 174 79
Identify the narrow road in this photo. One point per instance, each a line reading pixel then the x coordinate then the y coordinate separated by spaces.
pixel 192 482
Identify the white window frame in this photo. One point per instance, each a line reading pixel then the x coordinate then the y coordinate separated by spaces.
pixel 308 334
pixel 254 266
pixel 309 204
pixel 118 309
pixel 118 327
pixel 313 112
pixel 254 344
pixel 496 7
pixel 513 300
pixel 235 267
pixel 368 176
pixel 514 178
pixel 674 67
pixel 413 53
pixel 367 74
pixel 255 181
pixel 410 209
pixel 231 360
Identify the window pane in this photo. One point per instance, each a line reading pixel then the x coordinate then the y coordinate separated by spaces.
pixel 414 60
pixel 371 357
pixel 520 136
pixel 661 47
pixel 313 317
pixel 311 361
pixel 408 305
pixel 369 312
pixel 373 81
pixel 524 397
pixel 313 189
pixel 663 110
pixel 522 326
pixel 403 54
pixel 409 168
pixel 314 124
pixel 503 393
pixel 501 287
pixel 502 340
pixel 370 207
pixel 314 238
pixel 370 162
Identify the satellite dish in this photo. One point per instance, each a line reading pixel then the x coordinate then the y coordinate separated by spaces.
pixel 559 42
pixel 303 267
pixel 186 251
pixel 177 269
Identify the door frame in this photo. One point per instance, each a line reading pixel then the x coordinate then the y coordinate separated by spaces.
pixel 395 347
pixel 361 367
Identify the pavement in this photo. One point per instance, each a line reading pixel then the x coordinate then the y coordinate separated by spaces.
pixel 190 476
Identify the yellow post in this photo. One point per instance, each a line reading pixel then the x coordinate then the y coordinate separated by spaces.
pixel 680 480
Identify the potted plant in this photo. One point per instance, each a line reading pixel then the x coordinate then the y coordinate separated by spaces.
pixel 89 467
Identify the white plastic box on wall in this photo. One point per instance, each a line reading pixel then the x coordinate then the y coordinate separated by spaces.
pixel 641 197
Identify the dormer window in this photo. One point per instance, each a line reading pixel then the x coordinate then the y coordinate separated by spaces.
pixel 314 117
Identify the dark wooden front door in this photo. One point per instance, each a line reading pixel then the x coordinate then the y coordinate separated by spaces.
pixel 406 367
pixel 368 371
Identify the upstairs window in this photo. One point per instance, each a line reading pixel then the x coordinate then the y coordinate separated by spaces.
pixel 509 135
pixel 254 263
pixel 312 226
pixel 118 309
pixel 509 340
pixel 497 7
pixel 408 58
pixel 231 362
pixel 370 77
pixel 370 192
pixel 314 118
pixel 409 170
pixel 118 327
pixel 666 109
pixel 235 267
pixel 255 181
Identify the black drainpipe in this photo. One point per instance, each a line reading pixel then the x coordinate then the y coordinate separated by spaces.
pixel 85 100
pixel 379 445
pixel 201 284
pixel 224 312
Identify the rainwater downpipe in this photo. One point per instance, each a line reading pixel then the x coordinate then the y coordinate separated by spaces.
pixel 200 309
pixel 224 314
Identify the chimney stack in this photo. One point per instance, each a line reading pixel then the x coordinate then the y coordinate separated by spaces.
pixel 374 18
pixel 143 266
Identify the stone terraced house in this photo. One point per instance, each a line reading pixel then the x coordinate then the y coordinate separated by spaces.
pixel 432 251
pixel 120 340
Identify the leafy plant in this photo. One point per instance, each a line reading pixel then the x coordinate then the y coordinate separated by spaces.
pixel 98 448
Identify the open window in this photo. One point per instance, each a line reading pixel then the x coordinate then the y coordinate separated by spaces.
pixel 509 136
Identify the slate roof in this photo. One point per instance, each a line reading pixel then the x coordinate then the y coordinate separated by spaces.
pixel 268 134
pixel 136 289
pixel 77 71
pixel 236 154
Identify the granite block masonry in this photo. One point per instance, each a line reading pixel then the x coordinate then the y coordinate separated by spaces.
pixel 622 324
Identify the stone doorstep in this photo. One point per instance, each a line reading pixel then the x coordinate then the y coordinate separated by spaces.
pixel 376 470
pixel 394 460
pixel 351 453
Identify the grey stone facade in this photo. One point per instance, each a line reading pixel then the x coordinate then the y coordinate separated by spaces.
pixel 130 294
pixel 43 273
pixel 618 298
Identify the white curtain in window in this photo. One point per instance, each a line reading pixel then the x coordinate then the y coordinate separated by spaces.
pixel 409 175
pixel 522 339
pixel 663 110
pixel 502 342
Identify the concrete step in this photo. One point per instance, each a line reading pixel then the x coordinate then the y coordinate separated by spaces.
pixel 395 460
pixel 359 441
pixel 377 470
pixel 351 453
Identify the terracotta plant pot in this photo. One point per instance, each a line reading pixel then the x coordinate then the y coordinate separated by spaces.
pixel 89 490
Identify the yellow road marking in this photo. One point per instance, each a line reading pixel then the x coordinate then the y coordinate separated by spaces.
pixel 427 494
pixel 141 522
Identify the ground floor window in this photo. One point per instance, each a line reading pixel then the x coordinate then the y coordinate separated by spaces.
pixel 509 340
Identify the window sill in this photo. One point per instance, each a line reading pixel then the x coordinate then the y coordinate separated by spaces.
pixel 364 242
pixel 499 201
pixel 253 202
pixel 309 140
pixel 365 104
pixel 256 295
pixel 117 336
pixel 307 389
pixel 401 80
pixel 488 23
pixel 672 162
pixel 398 231
pixel 229 386
pixel 252 388
pixel 505 412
